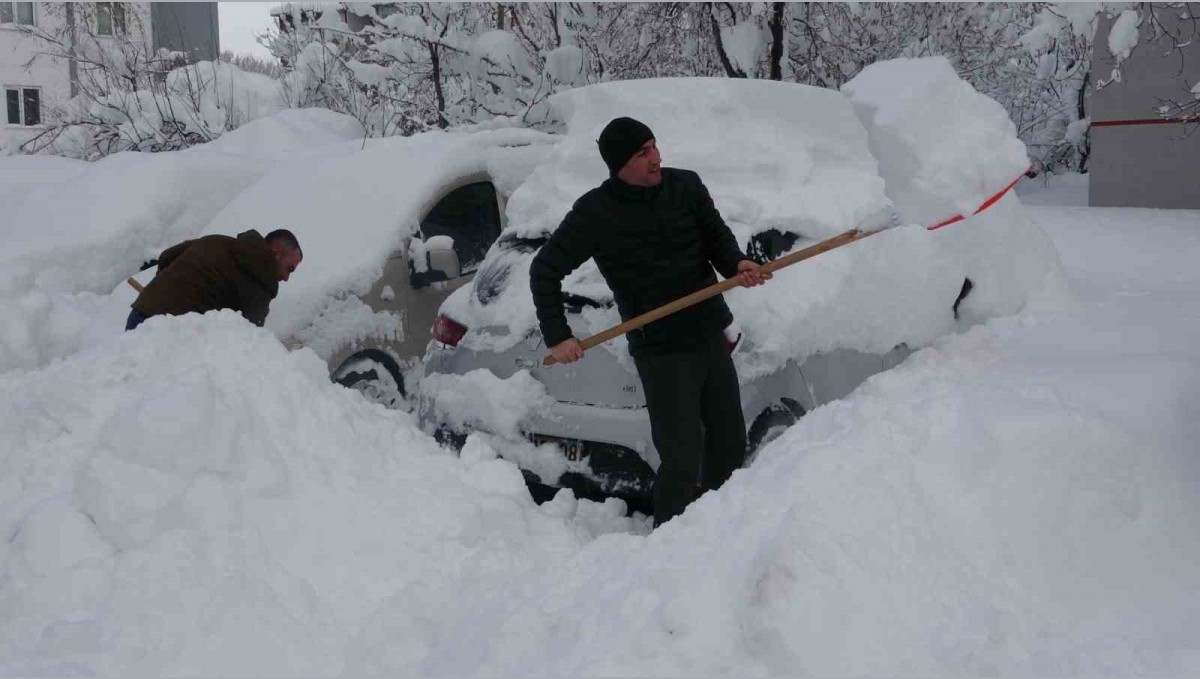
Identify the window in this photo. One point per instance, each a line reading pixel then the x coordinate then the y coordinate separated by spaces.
pixel 16 13
pixel 469 215
pixel 24 105
pixel 110 18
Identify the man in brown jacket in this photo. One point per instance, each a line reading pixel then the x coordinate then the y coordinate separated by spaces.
pixel 219 272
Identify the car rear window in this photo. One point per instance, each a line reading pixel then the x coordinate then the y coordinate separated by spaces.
pixel 493 275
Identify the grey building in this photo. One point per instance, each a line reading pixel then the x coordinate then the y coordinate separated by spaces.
pixel 1138 158
pixel 189 27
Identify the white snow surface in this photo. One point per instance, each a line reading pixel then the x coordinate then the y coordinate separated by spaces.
pixel 193 498
pixel 943 148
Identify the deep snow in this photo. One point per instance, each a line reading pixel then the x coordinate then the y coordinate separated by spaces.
pixel 1018 499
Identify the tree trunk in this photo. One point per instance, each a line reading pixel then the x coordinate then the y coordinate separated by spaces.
pixel 437 85
pixel 775 23
pixel 1085 149
pixel 730 71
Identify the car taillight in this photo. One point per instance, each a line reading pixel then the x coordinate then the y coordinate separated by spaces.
pixel 448 331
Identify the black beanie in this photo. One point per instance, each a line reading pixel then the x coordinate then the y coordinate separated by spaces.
pixel 621 139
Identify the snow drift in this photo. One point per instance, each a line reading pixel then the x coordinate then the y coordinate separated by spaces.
pixel 192 498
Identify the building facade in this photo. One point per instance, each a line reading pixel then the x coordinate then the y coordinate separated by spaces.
pixel 34 81
pixel 1138 159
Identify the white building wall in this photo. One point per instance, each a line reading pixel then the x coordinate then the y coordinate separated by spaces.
pixel 48 75
pixel 51 76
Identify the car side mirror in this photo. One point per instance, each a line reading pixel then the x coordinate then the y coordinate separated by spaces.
pixel 442 257
pixel 432 261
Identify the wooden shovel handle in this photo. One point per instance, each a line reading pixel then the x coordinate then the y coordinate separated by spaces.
pixel 844 238
pixel 134 284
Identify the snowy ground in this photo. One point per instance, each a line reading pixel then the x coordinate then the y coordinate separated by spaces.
pixel 194 499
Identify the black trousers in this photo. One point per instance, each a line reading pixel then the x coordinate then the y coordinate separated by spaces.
pixel 696 421
pixel 135 319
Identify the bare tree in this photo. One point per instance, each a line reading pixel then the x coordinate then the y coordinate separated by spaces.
pixel 252 64
pixel 126 95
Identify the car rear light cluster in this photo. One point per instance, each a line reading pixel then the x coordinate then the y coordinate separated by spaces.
pixel 448 331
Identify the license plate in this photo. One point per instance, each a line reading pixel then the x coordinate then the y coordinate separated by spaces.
pixel 572 449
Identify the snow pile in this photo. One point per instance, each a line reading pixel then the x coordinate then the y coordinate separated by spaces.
pixel 897 286
pixel 120 209
pixel 191 498
pixel 289 132
pixel 203 100
pixel 480 400
pixel 943 148
pixel 960 515
pixel 987 508
pixel 229 97
pixel 119 212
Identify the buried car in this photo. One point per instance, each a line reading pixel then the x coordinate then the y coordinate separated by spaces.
pixel 787 166
pixel 389 228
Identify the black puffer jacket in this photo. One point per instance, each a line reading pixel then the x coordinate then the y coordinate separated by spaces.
pixel 653 245
pixel 214 272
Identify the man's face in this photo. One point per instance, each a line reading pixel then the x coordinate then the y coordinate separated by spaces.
pixel 644 168
pixel 287 259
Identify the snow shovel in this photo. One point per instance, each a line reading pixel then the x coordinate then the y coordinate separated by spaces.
pixel 135 285
pixel 844 238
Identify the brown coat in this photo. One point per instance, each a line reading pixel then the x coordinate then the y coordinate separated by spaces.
pixel 214 272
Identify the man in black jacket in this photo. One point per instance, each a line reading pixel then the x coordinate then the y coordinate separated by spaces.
pixel 656 236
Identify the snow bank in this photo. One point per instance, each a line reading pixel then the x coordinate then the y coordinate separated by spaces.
pixel 68 241
pixel 230 97
pixel 480 400
pixel 120 209
pixel 192 498
pixel 897 286
pixel 984 509
pixel 943 148
pixel 289 132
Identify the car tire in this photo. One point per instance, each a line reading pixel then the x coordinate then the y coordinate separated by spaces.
pixel 770 423
pixel 375 375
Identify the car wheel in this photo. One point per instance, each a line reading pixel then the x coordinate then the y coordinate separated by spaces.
pixel 376 376
pixel 770 423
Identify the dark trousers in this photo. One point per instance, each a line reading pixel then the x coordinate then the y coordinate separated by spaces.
pixel 695 420
pixel 135 319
